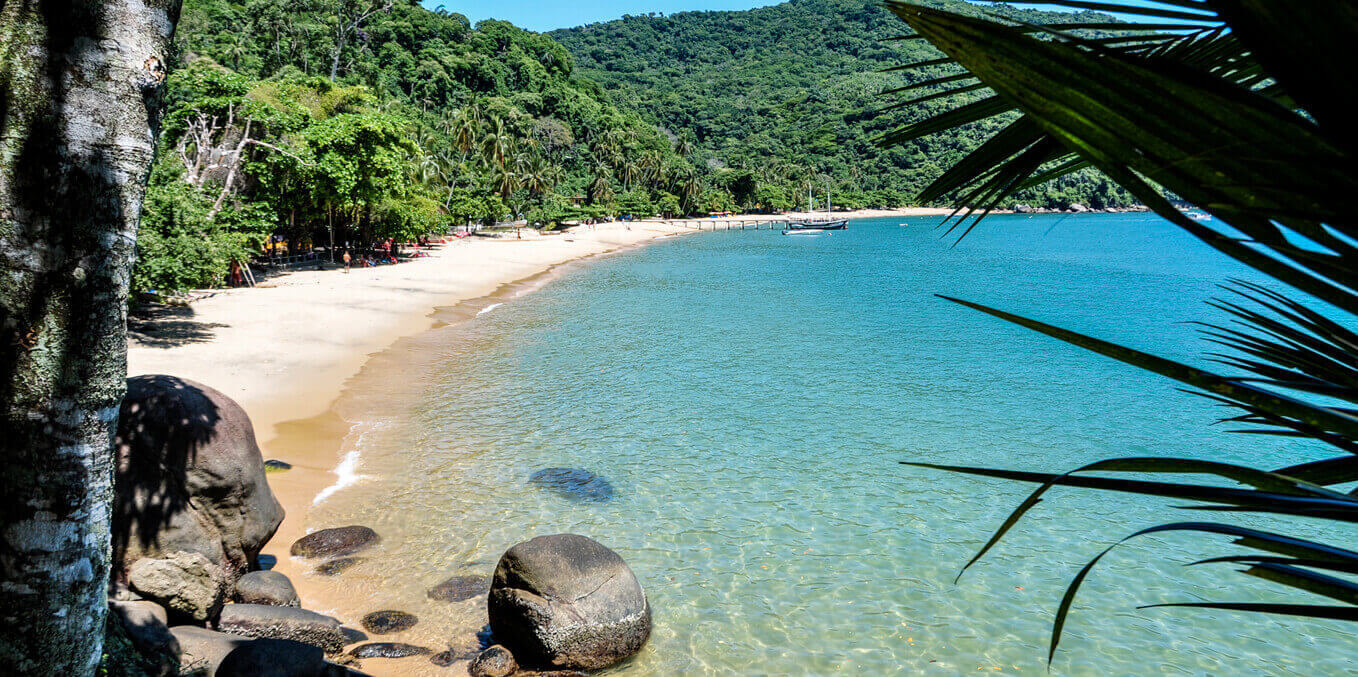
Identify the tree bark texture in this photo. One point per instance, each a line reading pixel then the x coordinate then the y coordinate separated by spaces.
pixel 80 94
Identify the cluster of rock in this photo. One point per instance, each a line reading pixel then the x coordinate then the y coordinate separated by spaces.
pixel 187 592
pixel 192 511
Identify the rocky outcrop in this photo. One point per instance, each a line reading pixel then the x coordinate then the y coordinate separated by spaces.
pixel 389 650
pixel 189 478
pixel 281 622
pixel 387 622
pixel 567 602
pixel 337 542
pixel 266 587
pixel 459 588
pixel 495 661
pixel 190 587
pixel 575 484
pixel 217 654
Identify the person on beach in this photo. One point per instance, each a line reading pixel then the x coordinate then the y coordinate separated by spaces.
pixel 346 260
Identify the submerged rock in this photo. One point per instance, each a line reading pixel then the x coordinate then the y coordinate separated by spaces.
pixel 573 483
pixel 281 622
pixel 336 567
pixel 386 622
pixel 388 650
pixel 459 588
pixel 189 478
pixel 495 661
pixel 567 602
pixel 185 583
pixel 266 587
pixel 445 658
pixel 336 542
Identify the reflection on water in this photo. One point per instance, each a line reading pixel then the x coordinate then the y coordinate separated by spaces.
pixel 728 410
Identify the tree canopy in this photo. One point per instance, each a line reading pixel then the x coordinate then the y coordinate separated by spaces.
pixel 793 91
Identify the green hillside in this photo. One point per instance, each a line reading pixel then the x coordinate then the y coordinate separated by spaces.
pixel 791 91
pixel 292 120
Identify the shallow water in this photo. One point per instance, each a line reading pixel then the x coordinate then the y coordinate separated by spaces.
pixel 746 398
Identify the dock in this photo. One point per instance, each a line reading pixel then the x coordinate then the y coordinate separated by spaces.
pixel 729 224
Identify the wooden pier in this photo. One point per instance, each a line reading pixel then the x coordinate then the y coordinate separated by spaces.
pixel 729 224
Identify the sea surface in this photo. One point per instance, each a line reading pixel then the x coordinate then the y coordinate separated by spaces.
pixel 748 397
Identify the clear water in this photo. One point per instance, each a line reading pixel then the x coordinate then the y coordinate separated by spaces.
pixel 748 396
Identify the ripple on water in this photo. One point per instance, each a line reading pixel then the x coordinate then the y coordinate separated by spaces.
pixel 746 401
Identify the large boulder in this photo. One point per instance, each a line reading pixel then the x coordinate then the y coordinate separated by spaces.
pixel 266 587
pixel 189 478
pixel 336 542
pixel 185 583
pixel 566 601
pixel 218 654
pixel 283 622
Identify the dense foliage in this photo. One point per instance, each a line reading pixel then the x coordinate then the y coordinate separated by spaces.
pixel 371 119
pixel 1243 109
pixel 791 92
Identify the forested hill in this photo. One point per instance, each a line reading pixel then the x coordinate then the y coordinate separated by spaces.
pixel 790 89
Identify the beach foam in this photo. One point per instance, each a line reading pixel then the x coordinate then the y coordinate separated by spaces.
pixel 488 308
pixel 347 473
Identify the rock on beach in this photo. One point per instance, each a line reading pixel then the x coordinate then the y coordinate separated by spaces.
pixel 567 602
pixel 281 622
pixel 266 587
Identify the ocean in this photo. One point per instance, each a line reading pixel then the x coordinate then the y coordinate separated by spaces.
pixel 746 400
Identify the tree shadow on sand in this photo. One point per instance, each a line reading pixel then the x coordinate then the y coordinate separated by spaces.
pixel 164 326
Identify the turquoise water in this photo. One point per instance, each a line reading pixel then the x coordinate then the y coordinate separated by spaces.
pixel 748 397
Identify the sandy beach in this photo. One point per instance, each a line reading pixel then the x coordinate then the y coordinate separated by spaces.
pixel 285 349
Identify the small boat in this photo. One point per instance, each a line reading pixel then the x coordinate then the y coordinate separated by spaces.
pixel 827 222
pixel 807 231
pixel 817 224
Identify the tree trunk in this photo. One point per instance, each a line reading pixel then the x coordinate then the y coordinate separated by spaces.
pixel 81 86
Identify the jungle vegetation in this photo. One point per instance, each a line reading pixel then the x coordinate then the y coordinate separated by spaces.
pixel 369 119
pixel 792 92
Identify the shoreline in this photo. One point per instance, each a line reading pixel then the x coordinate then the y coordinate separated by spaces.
pixel 288 350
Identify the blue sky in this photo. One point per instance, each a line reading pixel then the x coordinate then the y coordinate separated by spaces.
pixel 545 16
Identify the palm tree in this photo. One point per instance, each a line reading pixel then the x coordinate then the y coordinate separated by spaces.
pixel 683 146
pixel 497 144
pixel 1245 110
pixel 601 188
